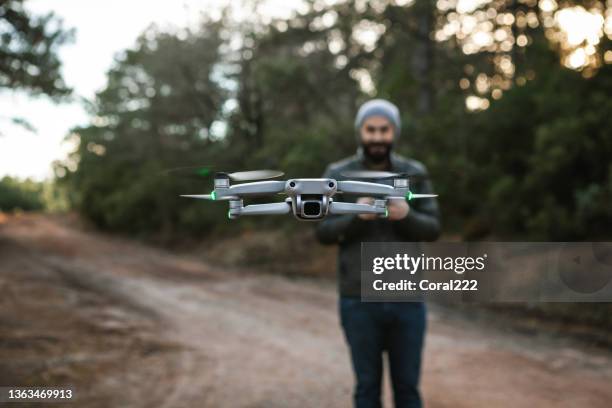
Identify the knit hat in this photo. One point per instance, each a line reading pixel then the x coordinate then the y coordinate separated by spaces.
pixel 379 107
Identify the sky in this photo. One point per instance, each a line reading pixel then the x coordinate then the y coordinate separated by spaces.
pixel 103 28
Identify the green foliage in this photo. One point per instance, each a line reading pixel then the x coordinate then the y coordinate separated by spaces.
pixel 156 113
pixel 23 195
pixel 54 196
pixel 545 150
pixel 28 50
pixel 535 164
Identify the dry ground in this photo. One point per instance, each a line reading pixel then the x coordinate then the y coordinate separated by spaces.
pixel 134 326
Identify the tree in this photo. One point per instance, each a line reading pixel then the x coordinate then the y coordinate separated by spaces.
pixel 549 171
pixel 482 93
pixel 295 99
pixel 156 113
pixel 28 50
pixel 23 195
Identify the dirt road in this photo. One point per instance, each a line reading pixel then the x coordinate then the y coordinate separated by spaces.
pixel 135 326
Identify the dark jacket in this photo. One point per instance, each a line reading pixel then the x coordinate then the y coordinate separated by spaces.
pixel 349 231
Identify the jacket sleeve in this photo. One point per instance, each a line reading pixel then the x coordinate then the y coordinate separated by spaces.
pixel 334 229
pixel 423 220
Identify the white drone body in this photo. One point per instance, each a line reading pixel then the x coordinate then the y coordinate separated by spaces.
pixel 309 199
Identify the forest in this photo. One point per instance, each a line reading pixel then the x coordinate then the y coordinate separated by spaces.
pixel 509 112
pixel 111 278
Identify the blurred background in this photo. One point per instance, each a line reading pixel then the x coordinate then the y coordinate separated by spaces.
pixel 110 279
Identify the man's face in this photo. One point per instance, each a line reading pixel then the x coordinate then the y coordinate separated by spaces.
pixel 376 138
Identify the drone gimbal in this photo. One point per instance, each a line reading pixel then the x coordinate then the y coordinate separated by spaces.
pixel 309 198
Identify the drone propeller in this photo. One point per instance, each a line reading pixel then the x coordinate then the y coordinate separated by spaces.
pixel 206 171
pixel 368 174
pixel 236 176
pixel 190 171
pixel 373 174
pixel 201 196
pixel 411 196
pixel 254 175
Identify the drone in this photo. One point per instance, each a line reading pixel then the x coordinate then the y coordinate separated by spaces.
pixel 310 199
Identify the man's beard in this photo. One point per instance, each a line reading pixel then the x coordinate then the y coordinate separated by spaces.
pixel 376 152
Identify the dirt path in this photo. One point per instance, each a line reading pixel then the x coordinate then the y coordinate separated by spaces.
pixel 134 326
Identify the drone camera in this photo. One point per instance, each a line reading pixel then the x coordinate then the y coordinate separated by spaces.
pixel 310 197
pixel 311 208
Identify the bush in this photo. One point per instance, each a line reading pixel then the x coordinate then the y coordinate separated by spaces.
pixel 23 195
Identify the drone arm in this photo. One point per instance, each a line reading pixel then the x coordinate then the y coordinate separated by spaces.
pixel 198 196
pixel 266 209
pixel 364 188
pixel 254 189
pixel 336 207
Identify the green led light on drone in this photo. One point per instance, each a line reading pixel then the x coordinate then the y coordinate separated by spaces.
pixel 409 195
pixel 213 195
pixel 203 172
pixel 386 212
pixel 229 214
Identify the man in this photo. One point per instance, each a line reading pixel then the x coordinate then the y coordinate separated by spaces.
pixel 371 328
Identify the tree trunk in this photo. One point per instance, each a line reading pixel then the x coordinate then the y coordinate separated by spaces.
pixel 424 55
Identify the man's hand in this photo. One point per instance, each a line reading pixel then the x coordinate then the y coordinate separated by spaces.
pixel 370 201
pixel 398 209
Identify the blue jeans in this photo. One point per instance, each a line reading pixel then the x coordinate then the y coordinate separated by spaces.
pixel 371 328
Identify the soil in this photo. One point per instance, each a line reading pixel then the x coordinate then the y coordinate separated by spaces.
pixel 136 326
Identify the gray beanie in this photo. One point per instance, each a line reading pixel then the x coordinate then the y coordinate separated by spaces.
pixel 379 107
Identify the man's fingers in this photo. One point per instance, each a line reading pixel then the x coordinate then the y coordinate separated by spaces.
pixel 365 200
pixel 398 209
